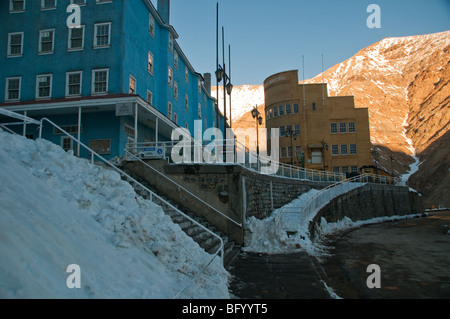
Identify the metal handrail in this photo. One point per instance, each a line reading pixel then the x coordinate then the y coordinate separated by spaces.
pixel 152 195
pixel 183 188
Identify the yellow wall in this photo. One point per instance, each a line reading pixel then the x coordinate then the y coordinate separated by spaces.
pixel 283 89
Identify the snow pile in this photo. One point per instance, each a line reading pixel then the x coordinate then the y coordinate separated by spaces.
pixel 58 210
pixel 289 232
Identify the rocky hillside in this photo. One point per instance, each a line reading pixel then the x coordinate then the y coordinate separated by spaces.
pixel 405 84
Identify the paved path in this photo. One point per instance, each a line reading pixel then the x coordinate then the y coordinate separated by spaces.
pixel 413 255
pixel 290 276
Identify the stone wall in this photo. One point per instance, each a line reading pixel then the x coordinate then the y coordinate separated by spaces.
pixel 370 201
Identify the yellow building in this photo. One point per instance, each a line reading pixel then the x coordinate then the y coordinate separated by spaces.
pixel 317 131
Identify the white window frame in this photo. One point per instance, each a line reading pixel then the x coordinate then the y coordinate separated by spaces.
pixel 82 3
pixel 353 149
pixel 11 7
pixel 37 86
pixel 170 77
pixel 149 97
pixel 96 26
pixel 43 7
pixel 186 74
pixel 171 42
pixel 7 99
pixel 151 25
pixel 295 107
pixel 175 90
pixel 344 149
pixel 169 110
pixel 69 42
pixel 334 129
pixel 175 117
pixel 199 110
pixel 186 102
pixel 41 33
pixel 15 55
pixel 150 62
pixel 335 150
pixel 68 74
pixel 93 82
pixel 352 127
pixel 175 59
pixel 103 1
pixel 132 82
pixel 342 127
pixel 66 138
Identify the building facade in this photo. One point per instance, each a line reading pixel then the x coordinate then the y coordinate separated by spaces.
pixel 317 131
pixel 118 77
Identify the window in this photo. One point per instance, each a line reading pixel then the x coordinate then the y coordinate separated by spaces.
pixel 73 83
pixel 100 81
pixel 151 25
pixel 289 153
pixel 186 102
pixel 103 1
pixel 48 4
pixel 333 128
pixel 44 86
pixel 298 151
pixel 101 147
pixel 175 90
pixel 314 106
pixel 316 157
pixel 288 109
pixel 275 112
pixel 186 74
pixel 351 127
pixel 15 44
pixel 270 114
pixel 353 149
pixel 46 41
pixel 13 89
pixel 342 127
pixel 76 38
pixel 297 129
pixel 170 42
pixel 345 169
pixel 281 110
pixel 282 133
pixel 149 97
pixel 71 129
pixel 169 111
pixel 199 110
pixel 66 143
pixel 354 169
pixel 129 130
pixel 283 152
pixel 16 5
pixel 132 85
pixel 102 35
pixel 170 77
pixel 334 149
pixel 150 63
pixel 175 59
pixel 175 118
pixel 80 2
pixel 296 109
pixel 344 149
pixel 336 169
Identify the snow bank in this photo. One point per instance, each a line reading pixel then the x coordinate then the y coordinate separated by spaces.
pixel 270 236
pixel 58 210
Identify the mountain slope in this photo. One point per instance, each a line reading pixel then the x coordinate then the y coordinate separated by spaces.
pixel 405 84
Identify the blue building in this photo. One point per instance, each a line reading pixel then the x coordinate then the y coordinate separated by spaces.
pixel 118 77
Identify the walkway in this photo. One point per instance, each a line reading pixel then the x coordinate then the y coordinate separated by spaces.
pixel 413 255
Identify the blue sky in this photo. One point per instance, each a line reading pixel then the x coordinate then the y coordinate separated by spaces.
pixel 267 37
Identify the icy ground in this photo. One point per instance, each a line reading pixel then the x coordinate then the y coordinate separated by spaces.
pixel 57 210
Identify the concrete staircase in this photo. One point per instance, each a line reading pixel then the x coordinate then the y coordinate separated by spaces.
pixel 203 238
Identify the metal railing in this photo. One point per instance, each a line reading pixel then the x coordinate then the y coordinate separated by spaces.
pixel 229 151
pixel 136 158
pixel 153 196
pixel 325 195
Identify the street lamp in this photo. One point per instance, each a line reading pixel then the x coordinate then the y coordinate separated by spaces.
pixel 324 148
pixel 292 134
pixel 258 118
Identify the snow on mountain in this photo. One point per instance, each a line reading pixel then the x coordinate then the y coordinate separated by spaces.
pixel 57 210
pixel 404 82
pixel 243 99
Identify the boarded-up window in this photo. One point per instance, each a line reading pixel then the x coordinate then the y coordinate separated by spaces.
pixel 101 147
pixel 316 157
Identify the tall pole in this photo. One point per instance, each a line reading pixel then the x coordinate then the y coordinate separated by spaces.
pixel 217 65
pixel 224 82
pixel 229 73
